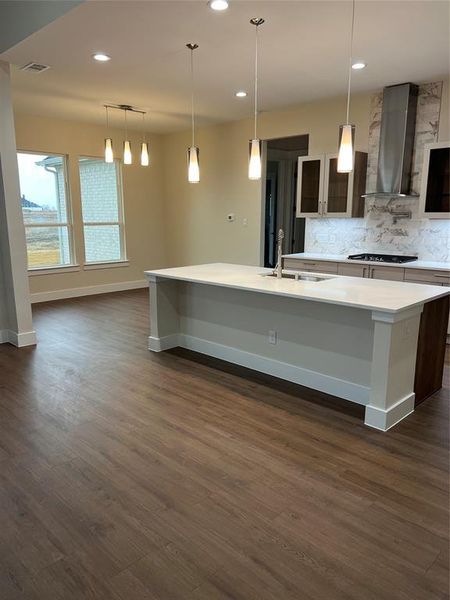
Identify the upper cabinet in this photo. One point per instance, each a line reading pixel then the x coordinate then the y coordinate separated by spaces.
pixel 323 192
pixel 435 190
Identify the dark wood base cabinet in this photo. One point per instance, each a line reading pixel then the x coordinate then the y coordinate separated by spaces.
pixel 431 348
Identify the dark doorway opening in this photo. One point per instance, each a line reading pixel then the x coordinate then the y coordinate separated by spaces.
pixel 281 196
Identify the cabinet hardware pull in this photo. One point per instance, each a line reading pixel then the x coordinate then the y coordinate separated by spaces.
pixel 445 276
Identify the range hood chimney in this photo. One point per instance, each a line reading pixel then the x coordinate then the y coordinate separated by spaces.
pixel 398 125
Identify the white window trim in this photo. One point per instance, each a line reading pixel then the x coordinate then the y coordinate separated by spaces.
pixel 73 266
pixel 123 260
pixel 33 271
pixel 110 264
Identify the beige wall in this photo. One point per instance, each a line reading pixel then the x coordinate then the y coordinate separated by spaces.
pixel 142 191
pixel 170 222
pixel 196 213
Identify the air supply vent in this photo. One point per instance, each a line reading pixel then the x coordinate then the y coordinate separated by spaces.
pixel 33 67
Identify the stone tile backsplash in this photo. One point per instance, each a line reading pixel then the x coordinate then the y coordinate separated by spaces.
pixel 426 238
pixel 377 232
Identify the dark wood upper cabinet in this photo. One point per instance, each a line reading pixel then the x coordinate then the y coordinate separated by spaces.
pixel 323 192
pixel 435 190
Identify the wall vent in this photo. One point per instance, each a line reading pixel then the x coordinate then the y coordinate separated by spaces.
pixel 34 67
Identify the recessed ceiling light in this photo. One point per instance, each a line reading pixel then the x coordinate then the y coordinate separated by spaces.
pixel 218 5
pixel 358 65
pixel 101 57
pixel 241 94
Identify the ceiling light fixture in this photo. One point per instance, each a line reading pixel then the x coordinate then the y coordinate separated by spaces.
pixel 101 57
pixel 357 66
pixel 145 160
pixel 347 131
pixel 218 5
pixel 254 163
pixel 127 156
pixel 241 94
pixel 109 154
pixel 193 150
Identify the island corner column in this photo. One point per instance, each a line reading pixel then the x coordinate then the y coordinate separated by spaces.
pixel 393 367
pixel 164 316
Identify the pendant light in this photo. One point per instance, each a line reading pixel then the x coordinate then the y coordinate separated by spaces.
pixel 347 131
pixel 193 151
pixel 109 154
pixel 127 156
pixel 254 163
pixel 145 161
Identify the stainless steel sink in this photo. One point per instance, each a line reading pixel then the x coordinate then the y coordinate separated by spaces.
pixel 299 276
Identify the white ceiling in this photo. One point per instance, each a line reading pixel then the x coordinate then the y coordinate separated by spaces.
pixel 303 56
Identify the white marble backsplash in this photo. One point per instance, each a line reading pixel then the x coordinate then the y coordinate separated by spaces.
pixel 428 239
pixel 377 232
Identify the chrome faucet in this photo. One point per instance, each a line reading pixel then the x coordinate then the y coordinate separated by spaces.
pixel 278 271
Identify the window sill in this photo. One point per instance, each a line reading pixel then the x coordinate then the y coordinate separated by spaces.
pixel 106 265
pixel 49 270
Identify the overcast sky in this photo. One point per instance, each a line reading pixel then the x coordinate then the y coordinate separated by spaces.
pixel 35 182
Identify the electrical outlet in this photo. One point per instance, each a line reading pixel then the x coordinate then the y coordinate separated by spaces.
pixel 272 336
pixel 244 222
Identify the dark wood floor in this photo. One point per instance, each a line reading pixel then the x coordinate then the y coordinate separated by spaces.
pixel 128 475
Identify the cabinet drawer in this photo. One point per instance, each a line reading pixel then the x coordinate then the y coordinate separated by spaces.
pixel 427 276
pixel 310 265
pixel 391 273
pixel 350 270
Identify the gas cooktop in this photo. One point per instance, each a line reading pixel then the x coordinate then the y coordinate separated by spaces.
pixel 387 258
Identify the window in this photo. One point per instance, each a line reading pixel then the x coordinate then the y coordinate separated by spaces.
pixel 46 214
pixel 101 203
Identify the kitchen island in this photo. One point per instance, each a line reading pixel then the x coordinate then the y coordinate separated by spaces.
pixel 353 338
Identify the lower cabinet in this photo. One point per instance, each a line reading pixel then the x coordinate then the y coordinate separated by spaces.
pixel 391 273
pixel 350 270
pixel 320 266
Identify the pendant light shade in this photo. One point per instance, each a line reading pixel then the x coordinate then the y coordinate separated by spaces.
pixel 127 156
pixel 193 150
pixel 109 154
pixel 346 150
pixel 193 164
pixel 347 131
pixel 145 161
pixel 254 163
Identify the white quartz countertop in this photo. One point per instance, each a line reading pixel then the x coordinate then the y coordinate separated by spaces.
pixel 370 294
pixel 415 264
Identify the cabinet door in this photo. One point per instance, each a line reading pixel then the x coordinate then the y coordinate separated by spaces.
pixel 337 189
pixel 310 186
pixel 313 266
pixel 391 273
pixel 435 191
pixel 352 270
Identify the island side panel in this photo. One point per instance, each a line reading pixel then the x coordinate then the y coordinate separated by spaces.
pixel 393 367
pixel 319 345
pixel 164 316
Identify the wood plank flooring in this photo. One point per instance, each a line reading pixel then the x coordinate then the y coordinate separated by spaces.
pixel 126 475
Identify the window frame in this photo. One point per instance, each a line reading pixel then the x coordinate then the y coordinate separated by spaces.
pixel 123 260
pixel 73 265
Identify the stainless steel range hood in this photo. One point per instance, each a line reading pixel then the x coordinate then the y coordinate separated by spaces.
pixel 398 125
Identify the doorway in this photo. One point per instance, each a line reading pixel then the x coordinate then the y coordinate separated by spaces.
pixel 281 196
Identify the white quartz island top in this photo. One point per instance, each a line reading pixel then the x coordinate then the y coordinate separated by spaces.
pixel 415 264
pixel 370 294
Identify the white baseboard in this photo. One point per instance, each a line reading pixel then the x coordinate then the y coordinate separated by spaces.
pixel 379 418
pixel 156 344
pixel 311 379
pixel 90 290
pixel 20 340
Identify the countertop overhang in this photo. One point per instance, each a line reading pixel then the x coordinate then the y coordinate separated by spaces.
pixel 368 294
